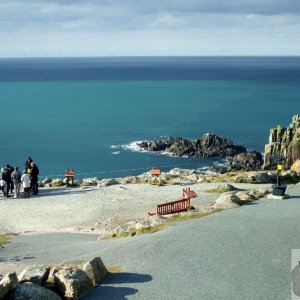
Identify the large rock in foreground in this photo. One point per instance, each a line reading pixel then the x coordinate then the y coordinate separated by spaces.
pixel 73 283
pixel 284 142
pixel 95 270
pixel 210 145
pixel 8 283
pixel 34 291
pixel 35 273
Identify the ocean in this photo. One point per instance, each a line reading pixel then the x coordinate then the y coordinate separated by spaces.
pixel 88 113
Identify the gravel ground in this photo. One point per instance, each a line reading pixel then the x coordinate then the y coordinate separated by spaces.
pixel 91 209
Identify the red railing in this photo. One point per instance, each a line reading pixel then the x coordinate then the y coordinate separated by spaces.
pixel 173 207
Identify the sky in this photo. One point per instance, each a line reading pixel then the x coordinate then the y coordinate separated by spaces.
pixel 63 28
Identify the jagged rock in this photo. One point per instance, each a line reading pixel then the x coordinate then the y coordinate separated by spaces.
pixel 95 270
pixel 290 176
pixel 177 172
pixel 32 291
pixel 36 273
pixel 247 161
pixel 296 166
pixel 227 200
pixel 244 178
pixel 260 192
pixel 254 177
pixel 57 182
pixel 8 282
pixel 88 182
pixel 244 197
pixel 222 188
pixel 262 177
pixel 46 180
pixel 284 142
pixel 73 283
pixel 210 145
pixel 107 182
pixel 133 227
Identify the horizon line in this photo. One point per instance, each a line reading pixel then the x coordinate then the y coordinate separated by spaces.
pixel 151 56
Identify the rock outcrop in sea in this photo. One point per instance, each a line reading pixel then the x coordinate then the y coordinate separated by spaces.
pixel 210 145
pixel 284 142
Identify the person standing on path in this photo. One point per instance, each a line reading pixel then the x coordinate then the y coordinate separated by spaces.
pixel 26 183
pixel 16 178
pixel 7 180
pixel 2 182
pixel 11 183
pixel 28 162
pixel 34 178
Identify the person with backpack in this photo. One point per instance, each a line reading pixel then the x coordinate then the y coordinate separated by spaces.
pixel 16 179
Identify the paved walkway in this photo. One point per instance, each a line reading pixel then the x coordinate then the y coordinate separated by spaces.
pixel 242 253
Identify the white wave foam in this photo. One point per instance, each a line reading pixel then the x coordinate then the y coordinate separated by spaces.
pixel 116 152
pixel 222 163
pixel 133 146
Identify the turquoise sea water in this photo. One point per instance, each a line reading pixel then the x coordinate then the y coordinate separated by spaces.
pixel 65 121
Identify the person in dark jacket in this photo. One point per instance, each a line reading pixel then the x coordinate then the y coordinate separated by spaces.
pixel 11 183
pixel 34 178
pixel 6 176
pixel 28 163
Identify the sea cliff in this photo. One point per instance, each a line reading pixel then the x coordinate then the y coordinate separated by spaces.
pixel 284 142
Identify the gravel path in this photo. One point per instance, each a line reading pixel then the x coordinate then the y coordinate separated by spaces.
pixel 91 209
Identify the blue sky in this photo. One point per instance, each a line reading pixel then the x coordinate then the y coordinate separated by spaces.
pixel 143 27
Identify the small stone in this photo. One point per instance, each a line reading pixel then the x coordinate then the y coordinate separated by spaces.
pixel 227 200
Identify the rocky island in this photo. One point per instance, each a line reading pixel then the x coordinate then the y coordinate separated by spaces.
pixel 210 145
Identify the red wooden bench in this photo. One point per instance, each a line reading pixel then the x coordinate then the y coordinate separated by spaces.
pixel 175 206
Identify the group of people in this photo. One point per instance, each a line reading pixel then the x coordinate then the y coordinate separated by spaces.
pixel 11 179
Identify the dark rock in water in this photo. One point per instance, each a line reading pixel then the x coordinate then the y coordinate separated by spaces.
pixel 210 145
pixel 284 142
pixel 248 161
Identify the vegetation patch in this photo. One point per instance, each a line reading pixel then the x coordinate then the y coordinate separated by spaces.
pixel 5 238
pixel 216 190
pixel 115 269
pixel 179 217
pixel 133 232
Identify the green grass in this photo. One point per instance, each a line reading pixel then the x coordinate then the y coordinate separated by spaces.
pixel 179 217
pixel 5 238
pixel 217 190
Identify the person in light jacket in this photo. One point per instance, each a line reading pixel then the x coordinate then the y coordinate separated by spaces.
pixel 26 183
pixel 16 179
